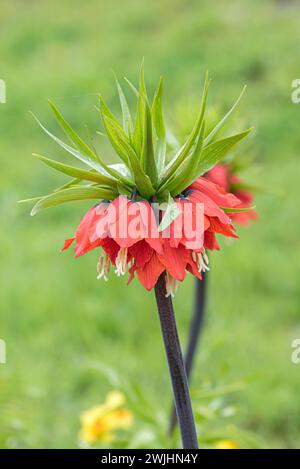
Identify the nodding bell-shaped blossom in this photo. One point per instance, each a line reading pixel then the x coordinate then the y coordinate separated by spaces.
pixel 128 234
pixel 224 175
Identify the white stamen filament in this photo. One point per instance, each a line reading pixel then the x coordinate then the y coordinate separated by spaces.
pixel 171 285
pixel 121 261
pixel 103 266
pixel 201 259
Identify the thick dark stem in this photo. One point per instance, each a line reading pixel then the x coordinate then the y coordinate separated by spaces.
pixel 194 335
pixel 176 366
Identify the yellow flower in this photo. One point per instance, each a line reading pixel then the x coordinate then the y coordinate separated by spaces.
pixel 226 444
pixel 99 422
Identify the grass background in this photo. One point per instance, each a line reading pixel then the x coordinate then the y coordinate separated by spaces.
pixel 58 322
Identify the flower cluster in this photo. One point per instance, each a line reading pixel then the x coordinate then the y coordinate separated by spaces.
pixel 149 254
pixel 99 423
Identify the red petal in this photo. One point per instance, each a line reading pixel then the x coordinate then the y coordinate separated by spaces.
pixel 131 222
pixel 210 241
pixel 156 244
pixel 100 223
pixel 219 175
pixel 148 275
pixel 211 209
pixel 225 229
pixel 82 234
pixel 215 193
pixel 175 260
pixel 141 252
pixel 131 272
pixel 67 243
pixel 111 248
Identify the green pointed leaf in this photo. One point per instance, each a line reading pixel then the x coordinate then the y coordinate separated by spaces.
pixel 141 179
pixel 187 147
pixel 237 210
pixel 72 182
pixel 215 152
pixel 127 120
pixel 132 87
pixel 121 169
pixel 100 166
pixel 222 122
pixel 171 213
pixel 78 173
pixel 139 126
pixel 71 134
pixel 187 175
pixel 32 199
pixel 115 132
pixel 73 194
pixel 117 168
pixel 159 126
pixel 73 151
pixel 147 157
pixel 117 138
pixel 123 147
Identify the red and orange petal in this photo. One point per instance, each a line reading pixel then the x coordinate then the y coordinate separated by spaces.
pixel 215 192
pixel 125 217
pixel 210 241
pixel 149 273
pixel 174 260
pixel 219 175
pixel 211 209
pixel 141 252
pixel 111 248
pixel 226 229
pixel 181 232
pixel 222 175
pixel 82 234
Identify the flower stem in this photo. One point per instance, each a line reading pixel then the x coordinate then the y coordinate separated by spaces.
pixel 176 366
pixel 194 335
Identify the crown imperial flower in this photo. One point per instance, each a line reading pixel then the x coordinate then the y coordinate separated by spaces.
pixel 124 224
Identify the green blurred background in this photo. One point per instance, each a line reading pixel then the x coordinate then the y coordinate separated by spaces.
pixel 67 334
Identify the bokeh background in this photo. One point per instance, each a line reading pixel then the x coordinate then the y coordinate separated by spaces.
pixel 70 338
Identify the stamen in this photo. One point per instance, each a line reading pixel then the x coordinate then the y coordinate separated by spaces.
pixel 201 259
pixel 171 285
pixel 121 261
pixel 103 266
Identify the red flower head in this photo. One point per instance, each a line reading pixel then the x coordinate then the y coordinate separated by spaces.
pixel 131 233
pixel 223 175
pixel 128 233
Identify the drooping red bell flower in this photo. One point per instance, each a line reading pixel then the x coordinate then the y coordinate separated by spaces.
pixel 225 176
pixel 127 231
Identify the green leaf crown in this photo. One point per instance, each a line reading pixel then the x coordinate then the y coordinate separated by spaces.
pixel 146 169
